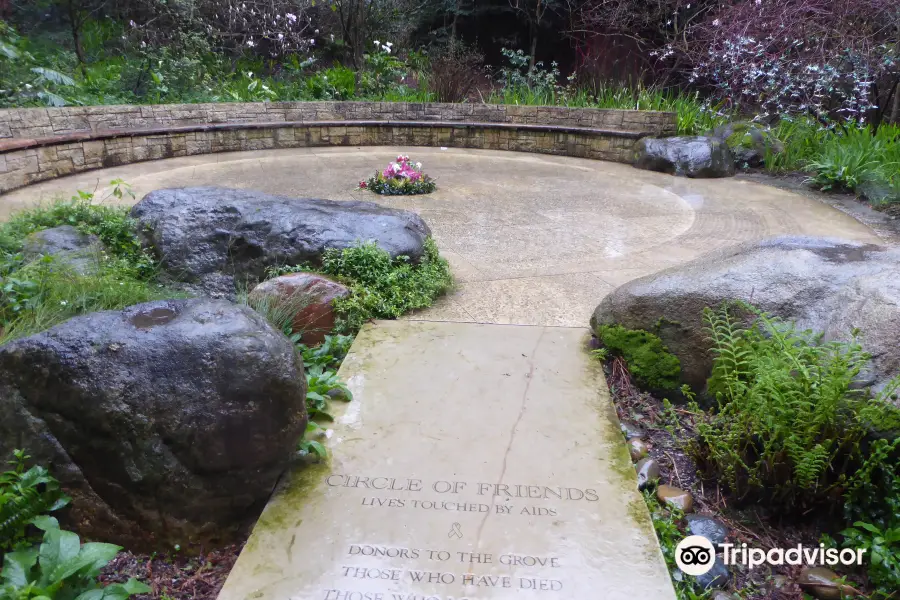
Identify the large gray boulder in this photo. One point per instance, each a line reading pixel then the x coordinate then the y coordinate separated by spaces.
pixel 822 284
pixel 167 422
pixel 212 236
pixel 700 157
pixel 67 246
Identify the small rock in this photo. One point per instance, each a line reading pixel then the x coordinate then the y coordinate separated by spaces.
pixel 337 394
pixel 674 497
pixel 823 584
pixel 720 595
pixel 780 583
pixel 305 299
pixel 647 472
pixel 717 577
pixel 638 449
pixel 631 430
pixel 713 530
pixel 67 246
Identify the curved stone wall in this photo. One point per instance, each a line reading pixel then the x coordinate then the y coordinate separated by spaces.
pixel 37 144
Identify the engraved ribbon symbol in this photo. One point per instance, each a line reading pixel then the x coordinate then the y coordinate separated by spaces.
pixel 455 532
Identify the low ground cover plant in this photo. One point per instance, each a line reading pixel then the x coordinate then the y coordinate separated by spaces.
pixel 40 560
pixel 402 177
pixel 649 361
pixel 381 287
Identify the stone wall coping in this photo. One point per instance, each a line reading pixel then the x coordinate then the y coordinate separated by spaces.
pixel 12 144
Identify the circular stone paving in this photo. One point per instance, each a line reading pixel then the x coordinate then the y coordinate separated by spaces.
pixel 532 239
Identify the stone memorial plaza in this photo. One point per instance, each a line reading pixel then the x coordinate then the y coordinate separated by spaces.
pixel 481 456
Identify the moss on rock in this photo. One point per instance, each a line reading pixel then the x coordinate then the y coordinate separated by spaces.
pixel 649 361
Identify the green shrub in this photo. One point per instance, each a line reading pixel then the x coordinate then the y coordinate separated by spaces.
pixel 872 505
pixel 789 424
pixel 24 495
pixel 846 158
pixel 336 83
pixel 649 361
pixel 382 287
pixel 62 568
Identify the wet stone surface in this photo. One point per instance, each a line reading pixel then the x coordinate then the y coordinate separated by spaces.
pixel 712 529
pixel 647 472
pixel 497 495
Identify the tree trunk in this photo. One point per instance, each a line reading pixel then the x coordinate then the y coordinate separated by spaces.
pixel 895 111
pixel 455 19
pixel 76 37
pixel 534 41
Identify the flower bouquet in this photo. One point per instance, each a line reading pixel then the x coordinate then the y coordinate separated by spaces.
pixel 402 177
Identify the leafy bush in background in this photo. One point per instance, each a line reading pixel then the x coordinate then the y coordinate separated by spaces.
pixel 454 72
pixel 849 156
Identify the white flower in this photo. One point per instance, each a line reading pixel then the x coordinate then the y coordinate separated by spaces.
pixel 418 166
pixel 332 37
pixel 250 43
pixel 717 22
pixel 377 43
pixel 389 44
pixel 316 32
pixel 63 302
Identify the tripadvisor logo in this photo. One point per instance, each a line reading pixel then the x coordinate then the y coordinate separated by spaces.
pixel 695 555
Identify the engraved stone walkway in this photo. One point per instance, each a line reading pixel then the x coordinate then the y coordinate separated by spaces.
pixel 477 462
pixel 480 457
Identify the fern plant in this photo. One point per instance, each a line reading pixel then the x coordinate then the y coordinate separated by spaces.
pixel 789 423
pixel 24 495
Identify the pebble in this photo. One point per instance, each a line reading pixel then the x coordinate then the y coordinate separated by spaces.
pixel 631 430
pixel 822 584
pixel 638 449
pixel 780 583
pixel 717 577
pixel 713 530
pixel 647 472
pixel 674 497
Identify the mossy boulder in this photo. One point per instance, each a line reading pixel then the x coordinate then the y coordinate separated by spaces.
pixel 748 142
pixel 826 285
